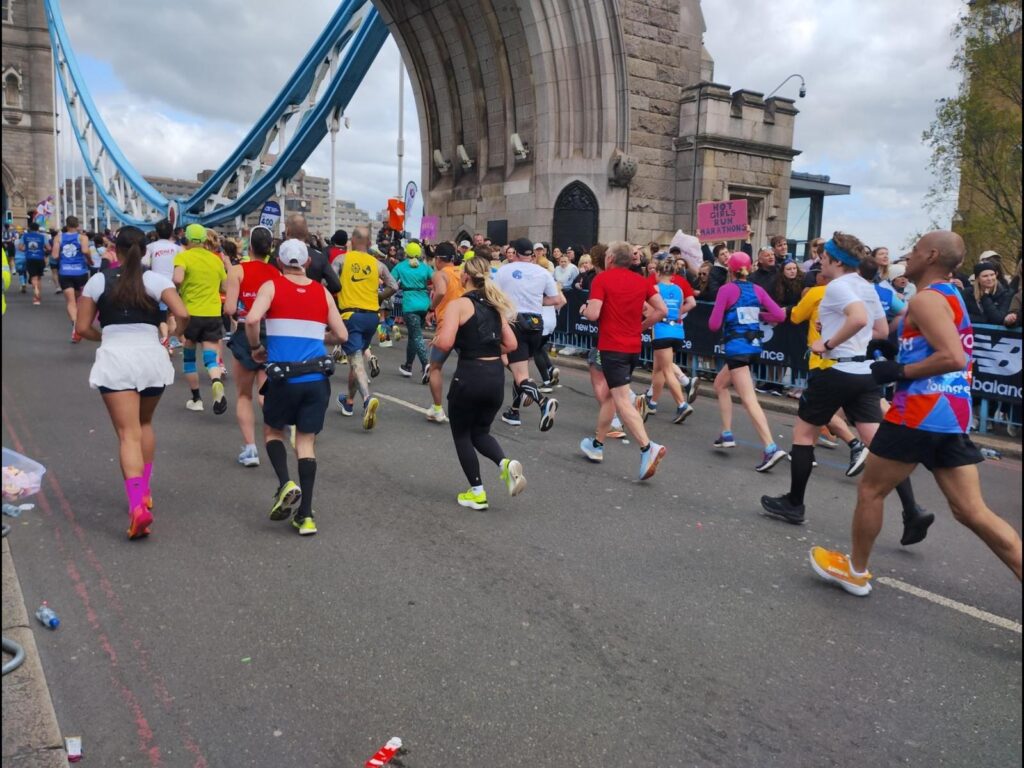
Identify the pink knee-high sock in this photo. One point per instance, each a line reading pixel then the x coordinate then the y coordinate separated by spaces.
pixel 135 488
pixel 147 476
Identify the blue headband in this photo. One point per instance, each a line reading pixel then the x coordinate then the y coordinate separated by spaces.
pixel 839 254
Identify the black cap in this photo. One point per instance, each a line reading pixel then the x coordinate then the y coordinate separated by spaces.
pixel 444 251
pixel 523 246
pixel 340 238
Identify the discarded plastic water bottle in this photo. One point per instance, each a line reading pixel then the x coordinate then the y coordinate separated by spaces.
pixel 47 617
pixel 991 453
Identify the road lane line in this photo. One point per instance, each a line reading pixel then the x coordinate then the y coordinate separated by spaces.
pixel 971 611
pixel 400 401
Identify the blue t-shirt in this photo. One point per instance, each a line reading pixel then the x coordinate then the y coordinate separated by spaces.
pixel 34 244
pixel 671 327
pixel 72 261
pixel 415 282
pixel 891 303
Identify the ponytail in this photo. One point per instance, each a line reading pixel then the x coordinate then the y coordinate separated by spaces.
pixel 129 290
pixel 479 272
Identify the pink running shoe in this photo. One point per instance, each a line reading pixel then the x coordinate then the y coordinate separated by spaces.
pixel 139 520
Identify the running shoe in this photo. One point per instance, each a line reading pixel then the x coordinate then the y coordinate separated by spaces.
pixel 652 407
pixel 194 405
pixel 75 336
pixel 725 440
pixel 683 412
pixel 593 452
pixel 546 388
pixel 337 354
pixel 346 405
pixel 405 370
pixel 511 474
pixel 220 401
pixel 615 434
pixel 772 455
pixel 374 366
pixel 436 415
pixel 386 344
pixel 640 401
pixel 139 520
pixel 370 406
pixel 306 526
pixel 915 525
pixel 425 378
pixel 781 508
pixel 547 414
pixel 858 456
pixel 148 501
pixel 175 342
pixel 826 439
pixel 286 501
pixel 36 302
pixel 473 499
pixel 553 377
pixel 692 389
pixel 835 567
pixel 249 457
pixel 650 459
pixel 511 416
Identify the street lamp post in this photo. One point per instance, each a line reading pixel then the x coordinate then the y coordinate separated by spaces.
pixel 803 86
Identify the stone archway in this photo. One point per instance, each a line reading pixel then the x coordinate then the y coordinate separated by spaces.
pixel 576 218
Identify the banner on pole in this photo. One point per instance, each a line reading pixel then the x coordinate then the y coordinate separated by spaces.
pixel 396 214
pixel 722 220
pixel 270 215
pixel 429 226
pixel 997 363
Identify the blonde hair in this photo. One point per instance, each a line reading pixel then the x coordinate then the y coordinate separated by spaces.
pixel 479 272
pixel 978 290
pixel 212 242
pixel 584 259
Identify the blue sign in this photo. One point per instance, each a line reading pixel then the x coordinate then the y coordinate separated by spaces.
pixel 270 215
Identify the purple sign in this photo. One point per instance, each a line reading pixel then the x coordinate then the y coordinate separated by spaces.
pixel 428 227
pixel 722 220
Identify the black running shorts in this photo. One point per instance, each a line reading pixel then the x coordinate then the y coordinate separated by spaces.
pixel 528 344
pixel 35 267
pixel 617 368
pixel 741 361
pixel 936 450
pixel 76 282
pixel 676 345
pixel 239 346
pixel 303 404
pixel 200 329
pixel 828 390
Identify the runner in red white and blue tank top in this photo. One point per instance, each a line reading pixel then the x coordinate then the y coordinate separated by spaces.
pixel 298 311
pixel 928 421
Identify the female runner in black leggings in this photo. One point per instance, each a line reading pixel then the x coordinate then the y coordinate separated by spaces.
pixel 476 325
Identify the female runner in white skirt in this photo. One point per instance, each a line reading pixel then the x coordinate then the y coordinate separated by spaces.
pixel 132 366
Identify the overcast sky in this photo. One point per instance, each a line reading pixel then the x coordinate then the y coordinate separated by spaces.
pixel 180 102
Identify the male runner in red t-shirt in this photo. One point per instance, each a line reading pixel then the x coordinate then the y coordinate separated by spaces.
pixel 627 305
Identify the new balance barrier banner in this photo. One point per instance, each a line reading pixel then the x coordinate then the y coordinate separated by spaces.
pixel 783 344
pixel 997 363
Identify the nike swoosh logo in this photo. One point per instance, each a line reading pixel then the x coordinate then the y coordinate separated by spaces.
pixel 359 279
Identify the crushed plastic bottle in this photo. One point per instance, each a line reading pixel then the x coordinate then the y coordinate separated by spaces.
pixel 47 617
pixel 991 453
pixel 15 510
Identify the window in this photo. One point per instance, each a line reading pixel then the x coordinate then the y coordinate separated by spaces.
pixel 12 88
pixel 7 11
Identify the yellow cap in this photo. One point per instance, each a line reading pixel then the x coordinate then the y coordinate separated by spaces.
pixel 195 233
pixel 413 250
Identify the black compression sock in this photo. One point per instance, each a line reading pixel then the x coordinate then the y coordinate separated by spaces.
pixel 278 460
pixel 855 443
pixel 906 494
pixel 529 387
pixel 598 443
pixel 195 395
pixel 307 476
pixel 517 397
pixel 800 472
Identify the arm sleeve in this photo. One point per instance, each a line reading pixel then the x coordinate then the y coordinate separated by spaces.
pixel 95 285
pixel 705 252
pixel 155 284
pixel 385 275
pixel 685 287
pixel 550 287
pixel 597 289
pixel 726 297
pixel 652 290
pixel 897 304
pixel 804 308
pixel 772 312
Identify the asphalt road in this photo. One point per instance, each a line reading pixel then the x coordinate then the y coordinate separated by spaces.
pixel 592 621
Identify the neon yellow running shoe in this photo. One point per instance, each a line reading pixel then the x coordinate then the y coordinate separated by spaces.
pixel 286 501
pixel 370 406
pixel 512 476
pixel 306 526
pixel 473 499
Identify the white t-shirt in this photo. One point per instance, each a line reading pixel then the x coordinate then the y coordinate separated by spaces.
pixel 160 257
pixel 839 294
pixel 155 285
pixel 526 285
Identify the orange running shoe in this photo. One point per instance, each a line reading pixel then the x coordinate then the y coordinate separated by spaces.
pixel 139 520
pixel 835 567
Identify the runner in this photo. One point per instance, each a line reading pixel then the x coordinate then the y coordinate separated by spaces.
pixel 928 422
pixel 850 314
pixel 447 283
pixel 132 368
pixel 298 311
pixel 71 252
pixel 626 305
pixel 549 374
pixel 740 306
pixel 244 282
pixel 359 301
pixel 200 276
pixel 477 325
pixel 667 339
pixel 413 276
pixel 160 258
pixel 33 244
pixel 529 287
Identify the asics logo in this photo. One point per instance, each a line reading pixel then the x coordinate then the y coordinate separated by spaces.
pixel 1001 358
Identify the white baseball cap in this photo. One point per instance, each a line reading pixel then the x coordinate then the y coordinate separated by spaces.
pixel 538 246
pixel 465 244
pixel 293 252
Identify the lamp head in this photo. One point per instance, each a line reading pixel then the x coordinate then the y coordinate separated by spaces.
pixel 803 91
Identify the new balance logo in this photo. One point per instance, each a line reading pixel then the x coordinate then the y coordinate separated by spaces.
pixel 1002 358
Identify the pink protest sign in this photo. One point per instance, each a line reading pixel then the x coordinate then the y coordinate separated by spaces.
pixel 722 220
pixel 428 227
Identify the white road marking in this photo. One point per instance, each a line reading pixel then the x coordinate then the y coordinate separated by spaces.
pixel 971 611
pixel 400 401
